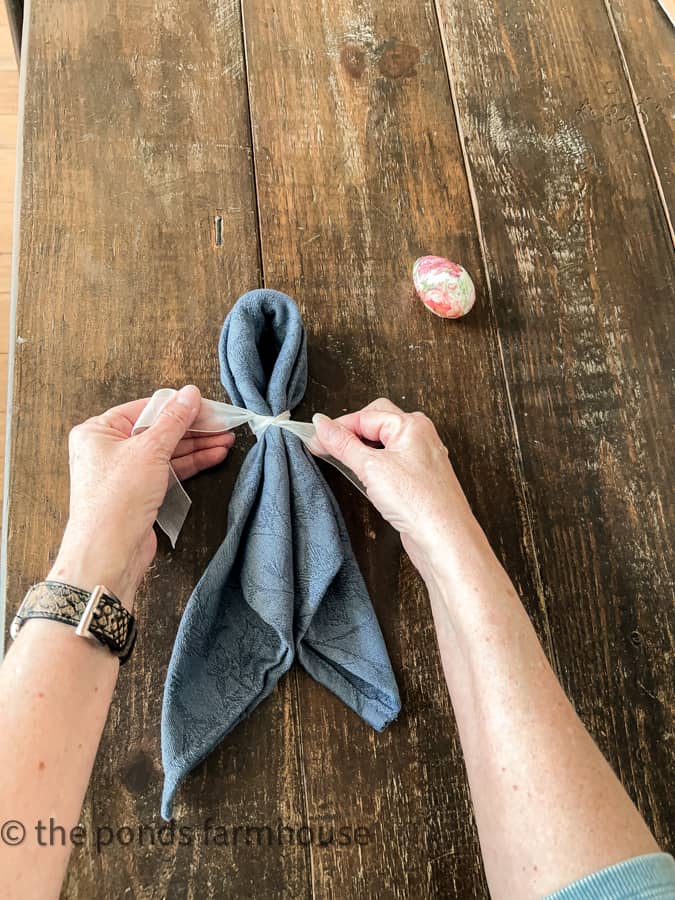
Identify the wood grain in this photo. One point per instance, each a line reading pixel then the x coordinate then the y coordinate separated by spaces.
pixel 581 278
pixel 359 172
pixel 552 395
pixel 646 41
pixel 134 139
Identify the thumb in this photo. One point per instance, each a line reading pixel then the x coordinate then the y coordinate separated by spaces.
pixel 174 420
pixel 341 443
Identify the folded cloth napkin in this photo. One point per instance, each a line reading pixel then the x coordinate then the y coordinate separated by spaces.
pixel 284 581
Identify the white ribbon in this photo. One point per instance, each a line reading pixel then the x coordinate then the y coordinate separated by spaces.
pixel 215 418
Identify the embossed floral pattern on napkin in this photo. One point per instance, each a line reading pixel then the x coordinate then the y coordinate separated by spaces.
pixel 284 583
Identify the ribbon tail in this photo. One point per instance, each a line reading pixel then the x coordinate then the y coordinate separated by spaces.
pixel 174 509
pixel 213 418
pixel 306 432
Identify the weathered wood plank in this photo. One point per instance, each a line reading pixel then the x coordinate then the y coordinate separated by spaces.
pixel 359 171
pixel 646 40
pixel 135 135
pixel 582 281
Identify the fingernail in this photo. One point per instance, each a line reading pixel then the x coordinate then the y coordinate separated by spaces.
pixel 188 395
pixel 326 422
pixel 329 428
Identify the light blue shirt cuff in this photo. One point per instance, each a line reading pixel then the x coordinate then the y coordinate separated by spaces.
pixel 650 877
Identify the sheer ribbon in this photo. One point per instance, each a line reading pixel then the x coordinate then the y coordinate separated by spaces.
pixel 215 417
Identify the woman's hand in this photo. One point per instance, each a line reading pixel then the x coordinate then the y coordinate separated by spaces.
pixel 410 479
pixel 117 484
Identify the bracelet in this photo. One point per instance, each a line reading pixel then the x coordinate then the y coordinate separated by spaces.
pixel 98 613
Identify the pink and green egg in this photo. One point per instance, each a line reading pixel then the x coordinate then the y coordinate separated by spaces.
pixel 443 286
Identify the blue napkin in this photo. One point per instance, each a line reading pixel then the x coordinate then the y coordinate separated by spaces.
pixel 284 582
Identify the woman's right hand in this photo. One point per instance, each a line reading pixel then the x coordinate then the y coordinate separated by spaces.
pixel 409 479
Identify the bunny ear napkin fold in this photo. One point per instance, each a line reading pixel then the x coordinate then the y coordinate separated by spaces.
pixel 284 583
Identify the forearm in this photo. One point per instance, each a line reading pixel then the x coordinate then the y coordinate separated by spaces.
pixel 56 687
pixel 549 808
pixel 55 692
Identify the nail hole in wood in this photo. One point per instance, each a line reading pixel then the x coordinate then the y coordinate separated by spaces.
pixel 218 230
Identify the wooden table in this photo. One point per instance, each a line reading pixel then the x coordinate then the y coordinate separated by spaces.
pixel 337 142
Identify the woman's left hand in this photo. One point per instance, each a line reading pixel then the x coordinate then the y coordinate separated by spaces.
pixel 117 484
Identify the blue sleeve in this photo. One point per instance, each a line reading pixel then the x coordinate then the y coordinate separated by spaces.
pixel 650 877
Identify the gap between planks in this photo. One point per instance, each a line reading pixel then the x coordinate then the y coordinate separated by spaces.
pixel 261 265
pixel 261 259
pixel 531 547
pixel 640 119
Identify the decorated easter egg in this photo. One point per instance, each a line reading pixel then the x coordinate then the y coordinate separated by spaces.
pixel 443 286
